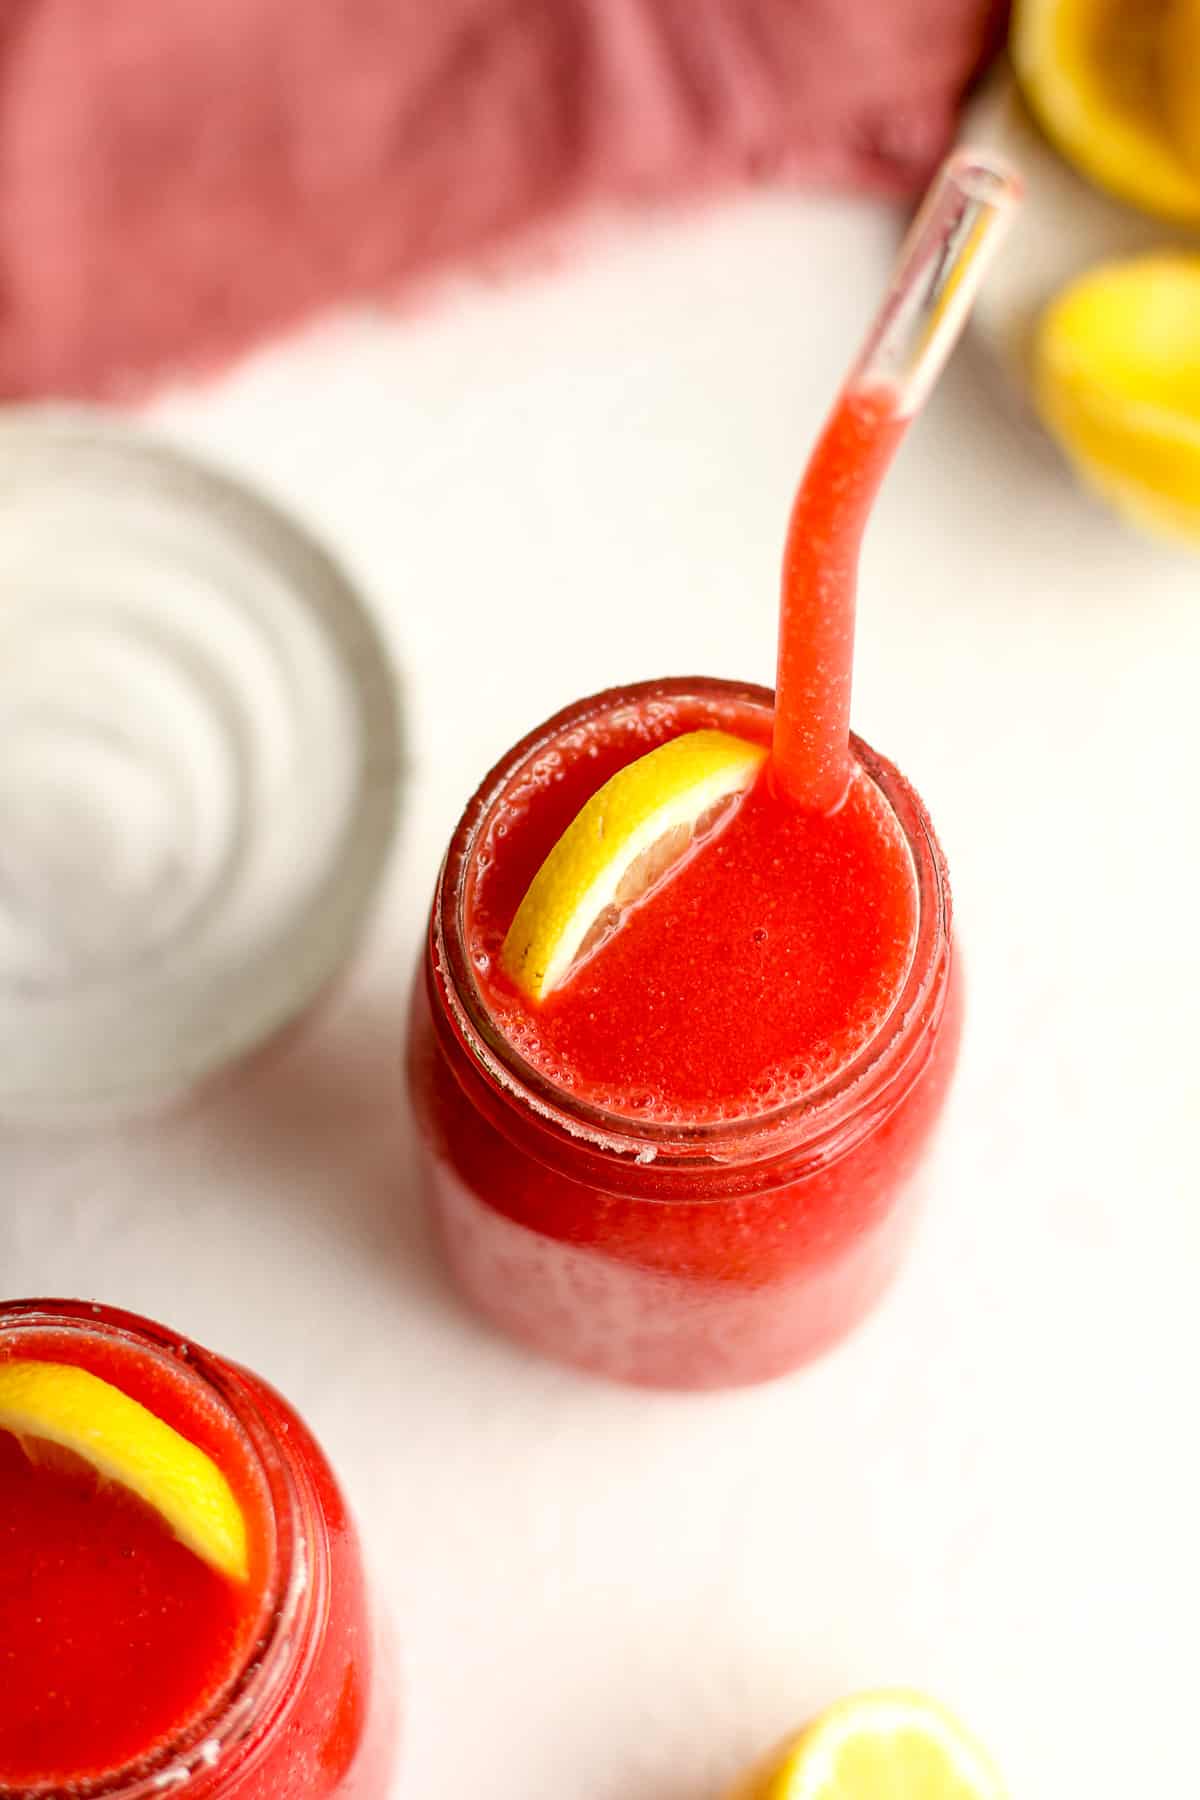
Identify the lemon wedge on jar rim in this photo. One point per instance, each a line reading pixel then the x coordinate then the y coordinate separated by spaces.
pixel 1116 372
pixel 124 1442
pixel 619 846
pixel 882 1746
pixel 1095 74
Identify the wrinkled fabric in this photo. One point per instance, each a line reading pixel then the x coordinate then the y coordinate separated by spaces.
pixel 179 178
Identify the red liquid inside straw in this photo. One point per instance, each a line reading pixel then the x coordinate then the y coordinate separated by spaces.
pixel 810 747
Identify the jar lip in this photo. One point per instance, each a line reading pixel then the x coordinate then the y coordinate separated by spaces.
pixel 721 1141
pixel 271 1657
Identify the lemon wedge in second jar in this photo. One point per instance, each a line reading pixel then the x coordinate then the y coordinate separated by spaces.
pixel 621 844
pixel 70 1408
pixel 1093 71
pixel 1117 380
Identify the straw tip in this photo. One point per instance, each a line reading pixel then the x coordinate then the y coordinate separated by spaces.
pixel 984 177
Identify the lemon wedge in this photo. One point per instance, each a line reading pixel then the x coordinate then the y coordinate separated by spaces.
pixel 1092 72
pixel 884 1746
pixel 1117 380
pixel 59 1404
pixel 619 846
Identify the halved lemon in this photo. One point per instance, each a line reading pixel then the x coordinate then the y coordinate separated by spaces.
pixel 1117 380
pixel 65 1406
pixel 1093 73
pixel 883 1746
pixel 1180 75
pixel 620 845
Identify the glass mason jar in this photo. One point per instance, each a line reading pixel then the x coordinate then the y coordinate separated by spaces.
pixel 305 1713
pixel 678 1256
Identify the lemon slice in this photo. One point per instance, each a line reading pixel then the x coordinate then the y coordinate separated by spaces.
pixel 618 847
pixel 75 1411
pixel 885 1746
pixel 1117 380
pixel 1092 71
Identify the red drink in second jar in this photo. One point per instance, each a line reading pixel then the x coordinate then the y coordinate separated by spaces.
pixel 133 1667
pixel 692 1165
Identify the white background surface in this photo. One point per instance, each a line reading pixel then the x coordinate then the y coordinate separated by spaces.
pixel 582 476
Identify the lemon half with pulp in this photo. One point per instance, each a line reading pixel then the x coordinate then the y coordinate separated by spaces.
pixel 124 1442
pixel 1179 66
pixel 1095 73
pixel 882 1746
pixel 620 845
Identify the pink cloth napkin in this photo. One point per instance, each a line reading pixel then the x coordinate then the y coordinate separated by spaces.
pixel 181 177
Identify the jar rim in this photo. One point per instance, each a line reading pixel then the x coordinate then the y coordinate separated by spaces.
pixel 815 1115
pixel 273 1655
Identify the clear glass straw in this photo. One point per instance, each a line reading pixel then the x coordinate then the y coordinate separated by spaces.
pixel 947 253
pixel 945 256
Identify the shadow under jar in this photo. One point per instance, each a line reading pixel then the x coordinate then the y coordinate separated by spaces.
pixel 137 1674
pixel 681 1253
